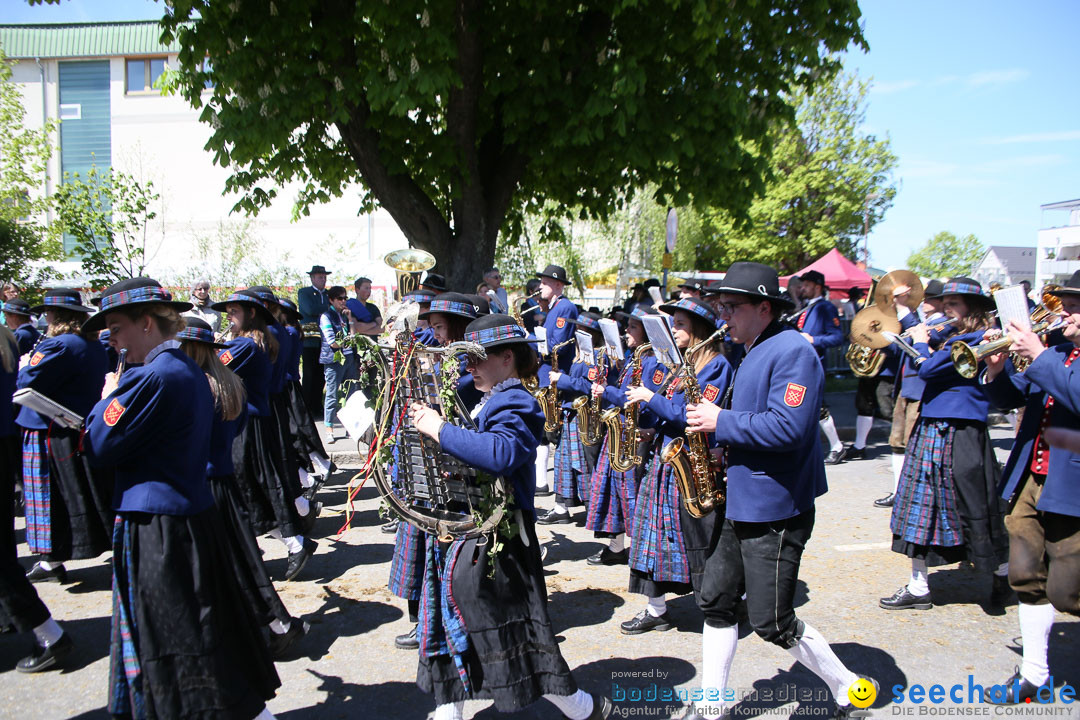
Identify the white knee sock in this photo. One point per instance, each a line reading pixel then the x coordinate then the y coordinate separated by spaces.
pixel 897 468
pixel 617 543
pixel 542 452
pixel 50 566
pixel 293 544
pixel 862 430
pixel 657 606
pixel 302 505
pixel 49 632
pixel 576 707
pixel 265 714
pixel 718 647
pixel 1002 569
pixel 813 651
pixel 919 584
pixel 305 478
pixel 829 428
pixel 279 628
pixel 1035 624
pixel 560 508
pixel 450 711
pixel 320 463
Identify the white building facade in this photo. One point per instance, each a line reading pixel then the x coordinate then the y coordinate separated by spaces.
pixel 1059 242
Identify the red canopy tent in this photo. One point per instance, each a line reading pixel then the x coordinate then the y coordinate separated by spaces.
pixel 840 273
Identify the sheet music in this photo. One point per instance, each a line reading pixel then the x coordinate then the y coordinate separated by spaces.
pixel 658 300
pixel 663 343
pixel 585 346
pixel 1012 306
pixel 48 408
pixel 612 339
pixel 541 334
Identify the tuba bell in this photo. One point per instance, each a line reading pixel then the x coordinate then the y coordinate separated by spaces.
pixel 408 264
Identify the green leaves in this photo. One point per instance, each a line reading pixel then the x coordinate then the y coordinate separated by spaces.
pixel 946 255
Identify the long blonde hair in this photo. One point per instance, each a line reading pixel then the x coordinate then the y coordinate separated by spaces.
pixel 254 327
pixel 228 389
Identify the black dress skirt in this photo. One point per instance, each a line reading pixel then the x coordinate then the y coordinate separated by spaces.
pixel 19 602
pixel 185 644
pixel 287 457
pixel 303 433
pixel 261 479
pixel 512 655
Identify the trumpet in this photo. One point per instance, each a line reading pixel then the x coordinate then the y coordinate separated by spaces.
pixel 1044 320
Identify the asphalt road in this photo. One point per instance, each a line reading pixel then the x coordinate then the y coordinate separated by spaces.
pixel 347 666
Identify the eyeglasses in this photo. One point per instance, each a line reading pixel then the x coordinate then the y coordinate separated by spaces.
pixel 729 307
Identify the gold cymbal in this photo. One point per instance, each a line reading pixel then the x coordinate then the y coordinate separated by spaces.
pixel 867 325
pixel 898 279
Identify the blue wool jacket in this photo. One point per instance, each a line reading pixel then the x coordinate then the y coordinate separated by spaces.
pixel 578 382
pixel 1010 389
pixel 509 427
pixel 26 335
pixel 652 376
pixel 822 321
pixel 775 465
pixel 247 360
pixel 559 329
pixel 222 434
pixel 67 369
pixel 280 368
pixel 296 348
pixel 947 395
pixel 154 430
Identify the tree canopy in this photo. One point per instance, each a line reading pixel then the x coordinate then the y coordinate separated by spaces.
pixel 460 117
pixel 946 255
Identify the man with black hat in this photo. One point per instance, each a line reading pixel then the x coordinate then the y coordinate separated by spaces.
pixel 559 327
pixel 17 318
pixel 819 323
pixel 692 288
pixel 435 283
pixel 313 302
pixel 1040 484
pixel 775 470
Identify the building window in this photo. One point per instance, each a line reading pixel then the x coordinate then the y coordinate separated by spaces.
pixel 143 73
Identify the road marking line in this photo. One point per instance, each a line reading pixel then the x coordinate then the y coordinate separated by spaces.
pixel 863 546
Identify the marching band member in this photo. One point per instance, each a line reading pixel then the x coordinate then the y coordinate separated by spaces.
pixel 19 601
pixel 17 317
pixel 260 475
pixel 230 414
pixel 485 630
pixel 184 643
pixel 819 323
pixel 558 326
pixel 775 471
pixel 612 493
pixel 447 317
pixel 67 512
pixel 574 461
pixel 947 507
pixel 668 545
pixel 1040 485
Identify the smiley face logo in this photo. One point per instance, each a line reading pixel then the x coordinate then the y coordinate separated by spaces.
pixel 862 693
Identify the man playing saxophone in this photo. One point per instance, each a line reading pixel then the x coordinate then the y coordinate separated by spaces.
pixel 558 328
pixel 775 470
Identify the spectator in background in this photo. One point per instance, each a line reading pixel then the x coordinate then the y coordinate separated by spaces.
pixel 366 318
pixel 313 302
pixel 854 303
pixel 483 289
pixel 532 318
pixel 499 302
pixel 332 324
pixel 200 305
pixel 1027 294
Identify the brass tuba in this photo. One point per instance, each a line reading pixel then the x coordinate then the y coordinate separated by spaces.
pixel 622 423
pixel 689 456
pixel 408 264
pixel 867 361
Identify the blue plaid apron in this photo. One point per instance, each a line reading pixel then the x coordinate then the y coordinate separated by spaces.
pixel 125 674
pixel 37 491
pixel 657 547
pixel 570 472
pixel 441 629
pixel 607 503
pixel 925 511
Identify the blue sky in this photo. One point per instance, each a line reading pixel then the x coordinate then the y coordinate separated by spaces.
pixel 979 99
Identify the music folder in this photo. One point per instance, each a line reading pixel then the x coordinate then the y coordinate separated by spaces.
pixel 62 416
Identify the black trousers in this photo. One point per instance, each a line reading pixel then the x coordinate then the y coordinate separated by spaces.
pixel 873 397
pixel 312 381
pixel 19 601
pixel 762 560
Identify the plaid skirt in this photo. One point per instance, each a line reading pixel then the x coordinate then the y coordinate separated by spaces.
pixel 947 507
pixel 657 550
pixel 571 476
pixel 611 496
pixel 407 566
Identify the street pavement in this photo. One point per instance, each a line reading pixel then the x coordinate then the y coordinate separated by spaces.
pixel 348 667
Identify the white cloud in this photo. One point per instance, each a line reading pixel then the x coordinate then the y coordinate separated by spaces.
pixel 1059 136
pixel 887 88
pixel 996 77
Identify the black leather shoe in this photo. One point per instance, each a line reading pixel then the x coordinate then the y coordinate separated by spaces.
pixel 44 658
pixel 279 644
pixel 644 622
pixel 607 557
pixel 298 560
pixel 904 600
pixel 835 457
pixel 38 574
pixel 390 528
pixel 316 486
pixel 601 708
pixel 1027 691
pixel 552 517
pixel 1000 592
pixel 543 492
pixel 307 522
pixel 854 453
pixel 407 641
pixel 885 502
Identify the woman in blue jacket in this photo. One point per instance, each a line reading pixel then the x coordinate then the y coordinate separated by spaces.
pixel 946 507
pixel 484 626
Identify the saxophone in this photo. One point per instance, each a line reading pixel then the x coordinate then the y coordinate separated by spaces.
pixel 588 408
pixel 622 432
pixel 548 397
pixel 689 456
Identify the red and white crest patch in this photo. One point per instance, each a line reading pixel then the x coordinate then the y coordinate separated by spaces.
pixel 710 393
pixel 36 358
pixel 112 413
pixel 560 323
pixel 592 374
pixel 658 377
pixel 225 357
pixel 794 394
